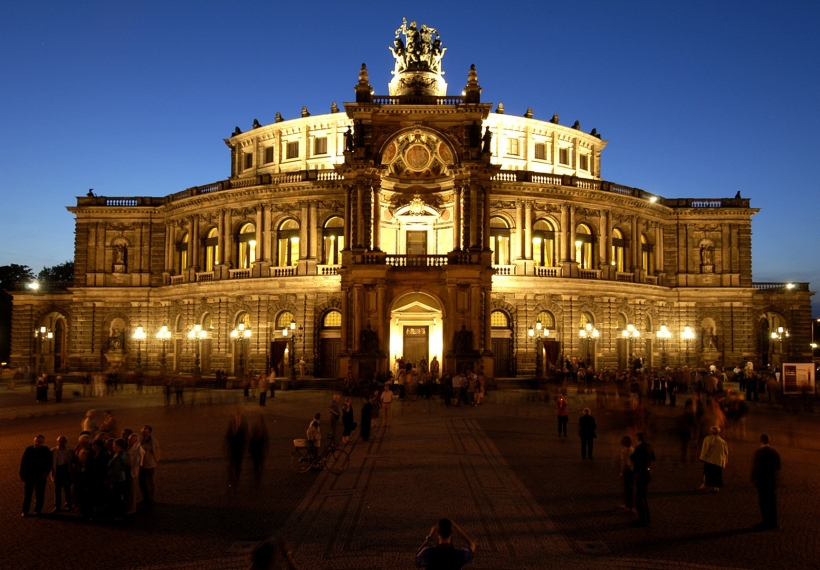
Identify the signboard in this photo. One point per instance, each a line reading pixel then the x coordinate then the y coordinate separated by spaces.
pixel 798 378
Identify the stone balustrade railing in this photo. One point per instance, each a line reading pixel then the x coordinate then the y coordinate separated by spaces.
pixel 283 271
pixel 589 273
pixel 504 270
pixel 765 286
pixel 547 271
pixel 239 273
pixel 624 277
pixel 327 269
pixel 204 276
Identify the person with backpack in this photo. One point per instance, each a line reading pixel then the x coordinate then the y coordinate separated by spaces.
pixel 437 550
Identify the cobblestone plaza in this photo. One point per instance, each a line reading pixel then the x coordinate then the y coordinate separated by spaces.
pixel 524 495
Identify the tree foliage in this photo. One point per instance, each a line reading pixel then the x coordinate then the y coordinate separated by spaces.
pixel 57 273
pixel 11 274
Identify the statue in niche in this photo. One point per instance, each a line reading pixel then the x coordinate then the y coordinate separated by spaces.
pixel 368 341
pixel 706 257
pixel 487 139
pixel 115 341
pixel 120 253
pixel 463 342
pixel 709 339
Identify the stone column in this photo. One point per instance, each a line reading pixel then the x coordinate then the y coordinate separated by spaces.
pixel 382 317
pixel 303 230
pixel 488 309
pixel 191 240
pixel 377 216
pixel 474 216
pixel 266 236
pixel 260 234
pixel 571 217
pixel 528 230
pixel 220 237
pixel 518 249
pixel 456 218
pixel 314 229
pixel 565 233
pixel 348 225
pixel 359 216
pixel 485 227
pixel 603 239
pixel 636 244
pixel 169 246
pixel 227 255
pixel 345 318
pixel 658 249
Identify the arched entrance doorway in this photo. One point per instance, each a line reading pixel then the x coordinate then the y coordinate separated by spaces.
pixel 416 329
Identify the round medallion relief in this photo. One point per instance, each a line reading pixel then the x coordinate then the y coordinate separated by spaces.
pixel 417 157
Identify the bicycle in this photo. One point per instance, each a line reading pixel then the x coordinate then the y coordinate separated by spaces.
pixel 332 456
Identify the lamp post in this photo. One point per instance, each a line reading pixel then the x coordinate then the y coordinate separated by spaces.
pixel 240 335
pixel 663 335
pixel 292 335
pixel 589 334
pixel 537 333
pixel 630 333
pixel 687 335
pixel 43 334
pixel 780 335
pixel 163 336
pixel 197 334
pixel 139 336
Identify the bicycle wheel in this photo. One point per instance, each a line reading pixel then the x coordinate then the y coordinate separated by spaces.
pixel 337 461
pixel 300 460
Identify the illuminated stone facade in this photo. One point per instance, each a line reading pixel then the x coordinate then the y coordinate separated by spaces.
pixel 414 223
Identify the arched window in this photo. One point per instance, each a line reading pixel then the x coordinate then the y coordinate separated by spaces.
pixel 283 320
pixel 288 239
pixel 586 318
pixel 648 324
pixel 547 320
pixel 622 321
pixel 500 241
pixel 332 320
pixel 242 318
pixel 543 244
pixel 247 246
pixel 583 246
pixel 211 250
pixel 499 320
pixel 618 250
pixel 647 255
pixel 333 240
pixel 181 260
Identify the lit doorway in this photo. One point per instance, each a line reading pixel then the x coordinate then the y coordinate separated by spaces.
pixel 416 329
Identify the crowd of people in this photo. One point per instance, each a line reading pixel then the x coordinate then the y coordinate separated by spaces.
pixel 98 479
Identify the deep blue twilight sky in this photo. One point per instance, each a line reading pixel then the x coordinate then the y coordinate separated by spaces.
pixel 697 99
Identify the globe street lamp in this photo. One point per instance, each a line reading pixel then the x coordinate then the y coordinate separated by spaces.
pixel 241 334
pixel 687 335
pixel 536 334
pixel 43 334
pixel 589 334
pixel 630 333
pixel 163 335
pixel 780 335
pixel 197 334
pixel 663 335
pixel 139 336
pixel 292 336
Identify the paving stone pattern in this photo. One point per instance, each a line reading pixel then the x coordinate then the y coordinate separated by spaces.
pixel 499 470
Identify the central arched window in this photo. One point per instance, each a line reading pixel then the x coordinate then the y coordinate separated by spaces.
pixel 333 241
pixel 288 239
pixel 500 241
pixel 583 246
pixel 247 246
pixel 499 320
pixel 647 256
pixel 543 244
pixel 547 320
pixel 181 258
pixel 283 321
pixel 618 250
pixel 211 250
pixel 332 320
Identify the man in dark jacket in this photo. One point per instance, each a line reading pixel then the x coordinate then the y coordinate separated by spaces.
pixel 34 469
pixel 642 458
pixel 765 470
pixel 586 429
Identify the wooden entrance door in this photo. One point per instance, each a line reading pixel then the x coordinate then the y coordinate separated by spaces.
pixel 416 343
pixel 328 364
pixel 501 354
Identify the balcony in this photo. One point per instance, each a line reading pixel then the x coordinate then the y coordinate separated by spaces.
pixel 283 271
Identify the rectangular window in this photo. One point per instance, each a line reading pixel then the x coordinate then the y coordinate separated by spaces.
pixel 268 155
pixel 320 145
pixel 293 149
pixel 583 162
pixel 540 151
pixel 512 147
pixel 248 160
pixel 563 156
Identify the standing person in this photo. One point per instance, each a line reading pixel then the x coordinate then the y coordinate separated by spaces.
pixel 119 469
pixel 765 472
pixel 58 389
pixel 301 368
pixel 149 462
pixel 444 554
pixel 434 369
pixel 642 458
pixel 335 414
pixel 586 429
pixel 347 420
pixel 235 442
pixel 387 405
pixel 367 418
pixel 258 449
pixel 61 473
pixel 627 474
pixel 714 454
pixel 263 389
pixel 109 425
pixel 563 416
pixel 34 469
pixel 314 435
pixel 135 455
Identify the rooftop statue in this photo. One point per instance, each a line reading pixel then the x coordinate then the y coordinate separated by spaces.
pixel 420 50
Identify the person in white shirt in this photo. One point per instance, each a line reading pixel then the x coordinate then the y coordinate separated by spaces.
pixel 387 405
pixel 135 454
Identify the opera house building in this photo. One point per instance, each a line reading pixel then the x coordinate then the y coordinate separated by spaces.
pixel 417 224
